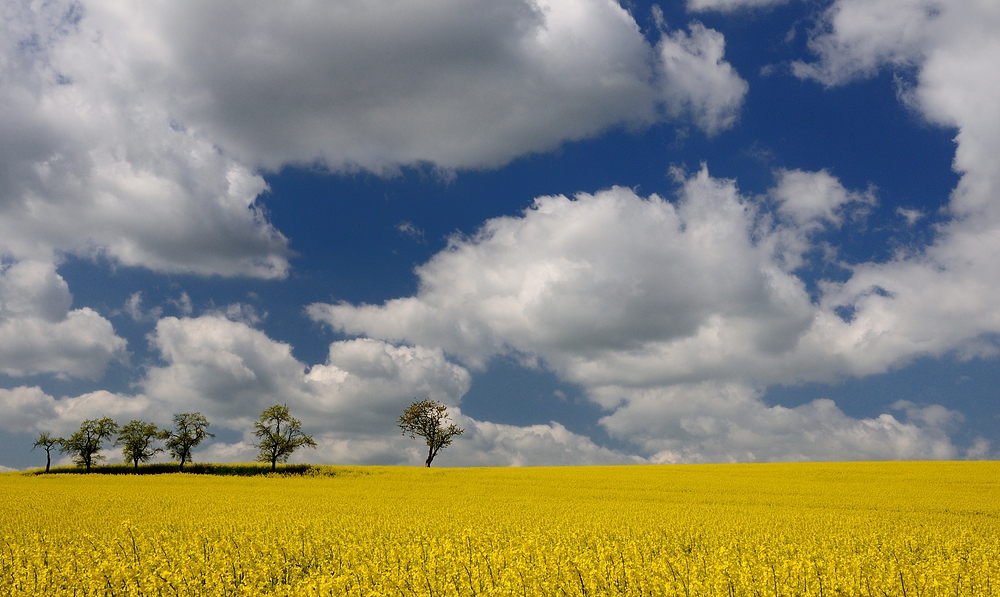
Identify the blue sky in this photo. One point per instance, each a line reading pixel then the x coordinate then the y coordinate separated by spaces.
pixel 702 231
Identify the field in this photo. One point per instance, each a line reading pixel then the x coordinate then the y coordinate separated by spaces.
pixel 874 529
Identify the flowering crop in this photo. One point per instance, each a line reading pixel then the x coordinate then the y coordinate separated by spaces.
pixel 874 529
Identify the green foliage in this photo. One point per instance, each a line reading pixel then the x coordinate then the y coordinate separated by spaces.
pixel 137 438
pixel 48 443
pixel 190 429
pixel 85 444
pixel 429 420
pixel 279 435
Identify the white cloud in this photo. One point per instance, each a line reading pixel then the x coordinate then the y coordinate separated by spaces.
pixel 729 5
pixel 696 81
pixel 491 444
pixel 225 369
pixel 7 469
pixel 814 196
pixel 727 422
pixel 459 83
pixel 856 37
pixel 133 131
pixel 133 306
pixel 32 410
pixel 39 333
pixel 942 298
pixel 91 162
pixel 910 215
pixel 482 444
pixel 409 230
pixel 607 288
pixel 231 372
pixel 183 304
pixel 241 312
pixel 954 47
pixel 674 316
pixel 639 300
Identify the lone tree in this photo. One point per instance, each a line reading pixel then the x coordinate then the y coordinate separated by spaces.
pixel 85 444
pixel 46 441
pixel 427 419
pixel 279 435
pixel 136 439
pixel 190 429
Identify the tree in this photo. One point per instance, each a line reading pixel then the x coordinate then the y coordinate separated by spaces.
pixel 279 435
pixel 136 439
pixel 427 419
pixel 46 441
pixel 190 429
pixel 85 444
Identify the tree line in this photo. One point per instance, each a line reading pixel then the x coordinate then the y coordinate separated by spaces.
pixel 278 435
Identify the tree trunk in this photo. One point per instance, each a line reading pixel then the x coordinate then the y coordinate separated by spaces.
pixel 430 457
pixel 48 460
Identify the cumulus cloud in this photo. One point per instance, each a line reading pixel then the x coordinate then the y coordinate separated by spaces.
pixel 32 410
pixel 675 316
pixel 91 162
pixel 639 300
pixel 134 132
pixel 40 333
pixel 462 83
pixel 491 444
pixel 942 298
pixel 230 372
pixel 224 368
pixel 856 37
pixel 727 422
pixel 612 288
pixel 483 444
pixel 696 81
pixel 954 48
pixel 818 197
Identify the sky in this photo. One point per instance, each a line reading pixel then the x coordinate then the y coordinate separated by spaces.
pixel 600 232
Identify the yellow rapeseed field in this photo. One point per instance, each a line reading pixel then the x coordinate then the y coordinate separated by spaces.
pixel 874 529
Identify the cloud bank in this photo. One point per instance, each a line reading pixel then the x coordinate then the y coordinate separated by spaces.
pixel 40 333
pixel 137 132
pixel 231 372
pixel 674 316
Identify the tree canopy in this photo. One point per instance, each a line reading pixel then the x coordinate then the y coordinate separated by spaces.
pixel 190 429
pixel 429 420
pixel 279 435
pixel 85 444
pixel 137 438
